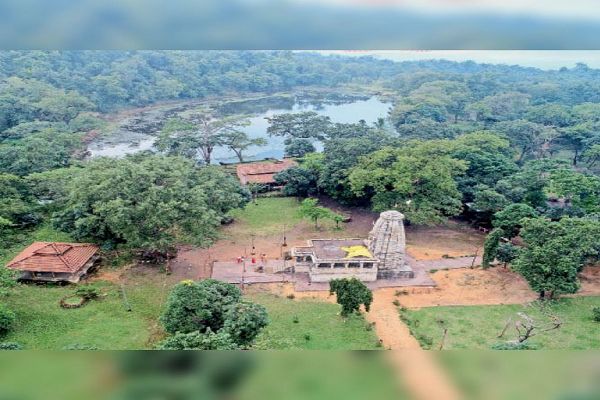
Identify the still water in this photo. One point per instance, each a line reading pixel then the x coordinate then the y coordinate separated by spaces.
pixel 136 133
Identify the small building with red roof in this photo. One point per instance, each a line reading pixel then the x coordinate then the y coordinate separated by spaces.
pixel 54 261
pixel 262 172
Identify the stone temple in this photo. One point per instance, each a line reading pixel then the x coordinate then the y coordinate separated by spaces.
pixel 381 256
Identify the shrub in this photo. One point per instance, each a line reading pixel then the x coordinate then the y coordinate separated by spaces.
pixel 307 337
pixel 291 296
pixel 596 314
pixel 199 341
pixel 10 346
pixel 425 341
pixel 197 306
pixel 513 346
pixel 295 319
pixel 396 303
pixel 244 321
pixel 7 319
pixel 87 292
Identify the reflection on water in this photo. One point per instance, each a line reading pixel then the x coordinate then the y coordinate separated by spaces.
pixel 136 133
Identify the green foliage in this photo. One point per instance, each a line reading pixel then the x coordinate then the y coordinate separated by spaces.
pixel 580 190
pixel 596 314
pixel 198 306
pixel 350 294
pixel 513 346
pixel 555 252
pixel 244 321
pixel 506 252
pixel 490 247
pixel 10 346
pixel 198 341
pixel 40 152
pixel 310 209
pixel 511 217
pixel 417 180
pixel 298 181
pixel 7 319
pixel 198 136
pixel 147 202
pixel 299 147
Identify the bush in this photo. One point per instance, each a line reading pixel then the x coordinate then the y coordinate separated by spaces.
pixel 197 306
pixel 244 322
pixel 199 341
pixel 513 346
pixel 10 346
pixel 7 319
pixel 596 314
pixel 87 292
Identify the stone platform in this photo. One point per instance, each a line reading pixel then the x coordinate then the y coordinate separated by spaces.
pixel 238 273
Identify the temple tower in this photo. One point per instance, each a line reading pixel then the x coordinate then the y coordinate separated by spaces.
pixel 387 242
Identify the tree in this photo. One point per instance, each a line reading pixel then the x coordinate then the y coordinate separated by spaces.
pixel 40 152
pixel 147 202
pixel 490 247
pixel 198 136
pixel 310 209
pixel 488 200
pixel 299 147
pixel 580 190
pixel 529 138
pixel 350 294
pixel 244 321
pixel 305 125
pixel 555 252
pixel 7 319
pixel 297 181
pixel 506 253
pixel 238 142
pixel 198 341
pixel 511 217
pixel 198 306
pixel 417 180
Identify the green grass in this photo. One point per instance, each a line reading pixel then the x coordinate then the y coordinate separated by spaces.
pixel 105 323
pixel 267 216
pixel 477 327
pixel 317 320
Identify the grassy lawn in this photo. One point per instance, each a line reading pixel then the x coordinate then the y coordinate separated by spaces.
pixel 319 326
pixel 477 327
pixel 267 216
pixel 104 323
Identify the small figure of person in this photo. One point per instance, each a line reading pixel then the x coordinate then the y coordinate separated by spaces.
pixel 263 258
pixel 253 260
pixel 239 259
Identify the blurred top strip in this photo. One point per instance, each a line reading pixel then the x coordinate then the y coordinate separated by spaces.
pixel 299 24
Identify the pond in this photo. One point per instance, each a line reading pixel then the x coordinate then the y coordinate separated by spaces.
pixel 136 132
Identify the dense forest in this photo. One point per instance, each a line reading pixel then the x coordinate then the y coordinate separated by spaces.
pixel 495 144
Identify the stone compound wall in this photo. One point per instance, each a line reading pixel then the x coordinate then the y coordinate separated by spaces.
pixel 387 242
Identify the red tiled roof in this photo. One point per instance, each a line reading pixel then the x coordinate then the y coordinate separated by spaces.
pixel 53 257
pixel 262 172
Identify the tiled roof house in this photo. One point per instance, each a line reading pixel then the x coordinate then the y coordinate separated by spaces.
pixel 262 172
pixel 54 262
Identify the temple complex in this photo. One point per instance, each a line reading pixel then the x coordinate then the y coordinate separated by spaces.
pixel 381 256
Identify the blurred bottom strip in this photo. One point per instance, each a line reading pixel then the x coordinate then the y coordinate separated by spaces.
pixel 298 375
